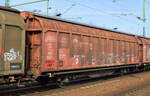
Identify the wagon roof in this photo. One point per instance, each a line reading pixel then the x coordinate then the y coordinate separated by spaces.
pixel 9 9
pixel 86 25
pixel 11 16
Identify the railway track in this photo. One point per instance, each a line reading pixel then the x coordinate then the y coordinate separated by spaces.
pixel 36 87
pixel 110 87
pixel 23 89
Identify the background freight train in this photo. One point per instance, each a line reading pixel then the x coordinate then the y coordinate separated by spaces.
pixel 12 43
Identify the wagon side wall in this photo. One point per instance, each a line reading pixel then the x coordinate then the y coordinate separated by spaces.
pixel 72 46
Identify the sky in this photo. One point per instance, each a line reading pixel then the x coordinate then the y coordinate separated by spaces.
pixel 100 13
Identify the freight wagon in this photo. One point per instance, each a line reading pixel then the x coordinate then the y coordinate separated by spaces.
pixel 53 49
pixel 12 44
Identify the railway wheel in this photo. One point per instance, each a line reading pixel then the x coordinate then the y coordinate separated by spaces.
pixel 62 82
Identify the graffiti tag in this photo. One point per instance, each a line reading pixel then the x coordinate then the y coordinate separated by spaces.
pixel 2 52
pixel 10 55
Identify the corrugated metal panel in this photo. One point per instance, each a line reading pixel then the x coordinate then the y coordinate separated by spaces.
pixel 75 51
pixel 50 51
pixel 64 51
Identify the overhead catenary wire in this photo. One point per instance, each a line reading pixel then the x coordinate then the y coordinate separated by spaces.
pixel 68 9
pixel 121 5
pixel 125 13
pixel 101 11
pixel 132 24
pixel 98 10
pixel 95 9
